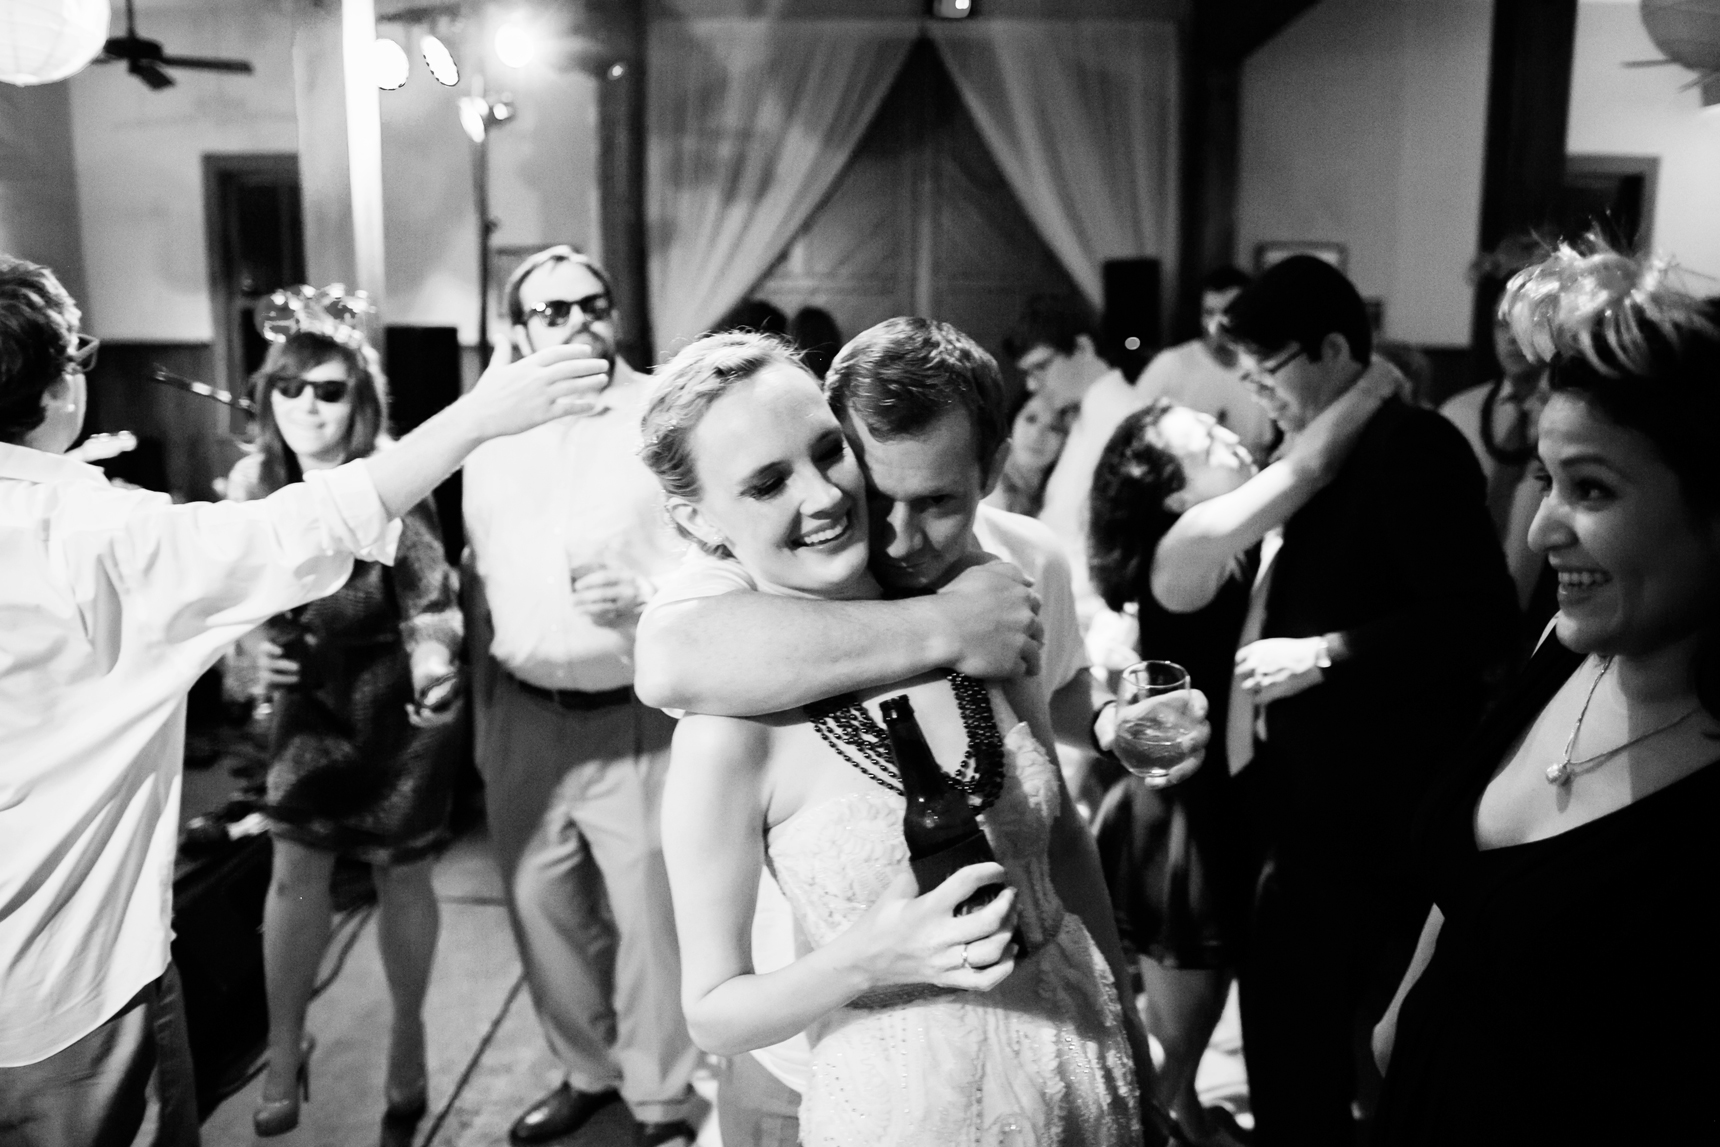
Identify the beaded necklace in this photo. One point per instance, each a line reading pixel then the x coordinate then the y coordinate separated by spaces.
pixel 848 728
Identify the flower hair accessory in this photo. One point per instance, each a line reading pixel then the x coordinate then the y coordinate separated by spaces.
pixel 329 312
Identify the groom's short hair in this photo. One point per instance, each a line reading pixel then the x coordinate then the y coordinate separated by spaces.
pixel 905 373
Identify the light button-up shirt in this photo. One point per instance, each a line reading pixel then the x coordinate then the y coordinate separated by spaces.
pixel 112 603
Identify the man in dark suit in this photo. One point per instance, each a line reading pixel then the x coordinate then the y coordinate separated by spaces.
pixel 1364 664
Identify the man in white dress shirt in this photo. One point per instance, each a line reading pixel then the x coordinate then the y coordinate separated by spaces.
pixel 1054 343
pixel 1204 374
pixel 568 534
pixel 112 602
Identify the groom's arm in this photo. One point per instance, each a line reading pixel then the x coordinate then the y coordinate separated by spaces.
pixel 745 653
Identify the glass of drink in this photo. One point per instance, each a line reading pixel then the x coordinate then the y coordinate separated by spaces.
pixel 1152 740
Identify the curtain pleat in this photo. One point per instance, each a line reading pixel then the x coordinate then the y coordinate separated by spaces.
pixel 1081 117
pixel 750 122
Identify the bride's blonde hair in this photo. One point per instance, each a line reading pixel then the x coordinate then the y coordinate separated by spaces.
pixel 684 388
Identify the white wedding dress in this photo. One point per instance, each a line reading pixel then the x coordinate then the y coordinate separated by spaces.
pixel 1040 1061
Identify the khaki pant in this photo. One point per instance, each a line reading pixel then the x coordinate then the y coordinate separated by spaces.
pixel 573 799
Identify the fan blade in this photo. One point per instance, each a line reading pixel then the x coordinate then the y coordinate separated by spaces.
pixel 208 64
pixel 151 74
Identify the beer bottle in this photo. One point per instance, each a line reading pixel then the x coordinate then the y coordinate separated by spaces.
pixel 943 834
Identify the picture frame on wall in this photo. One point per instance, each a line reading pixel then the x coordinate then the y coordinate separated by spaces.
pixel 1266 254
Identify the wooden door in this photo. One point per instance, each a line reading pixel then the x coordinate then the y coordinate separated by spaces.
pixel 920 222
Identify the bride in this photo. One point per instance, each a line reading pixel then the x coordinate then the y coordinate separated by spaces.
pixel 998 1027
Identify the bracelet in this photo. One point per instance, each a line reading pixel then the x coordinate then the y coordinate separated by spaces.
pixel 1093 727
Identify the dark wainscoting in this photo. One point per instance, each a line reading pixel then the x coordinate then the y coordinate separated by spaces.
pixel 184 442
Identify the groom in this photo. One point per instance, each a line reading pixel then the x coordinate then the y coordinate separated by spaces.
pixel 924 411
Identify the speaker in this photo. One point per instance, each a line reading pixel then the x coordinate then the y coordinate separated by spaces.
pixel 1130 324
pixel 218 948
pixel 423 377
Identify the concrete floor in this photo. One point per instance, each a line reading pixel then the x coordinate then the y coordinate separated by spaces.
pixel 487 1058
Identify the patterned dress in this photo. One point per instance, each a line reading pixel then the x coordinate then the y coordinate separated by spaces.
pixel 348 772
pixel 1041 1060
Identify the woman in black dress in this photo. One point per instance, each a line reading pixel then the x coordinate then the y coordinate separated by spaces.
pixel 360 760
pixel 1178 513
pixel 1564 989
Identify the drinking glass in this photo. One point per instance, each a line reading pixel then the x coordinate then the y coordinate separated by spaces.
pixel 1153 741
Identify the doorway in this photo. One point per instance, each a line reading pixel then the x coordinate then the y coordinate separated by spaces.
pixel 256 243
pixel 920 222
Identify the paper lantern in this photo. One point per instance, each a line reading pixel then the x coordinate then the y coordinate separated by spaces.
pixel 42 41
pixel 1688 31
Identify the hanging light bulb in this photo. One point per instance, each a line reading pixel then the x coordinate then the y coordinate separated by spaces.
pixel 388 64
pixel 515 45
pixel 440 61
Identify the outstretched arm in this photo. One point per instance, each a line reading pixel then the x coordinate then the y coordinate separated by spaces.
pixel 745 653
pixel 509 398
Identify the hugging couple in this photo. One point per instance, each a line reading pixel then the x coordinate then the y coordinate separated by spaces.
pixel 844 558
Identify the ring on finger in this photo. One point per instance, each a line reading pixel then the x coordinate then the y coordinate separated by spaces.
pixel 965 963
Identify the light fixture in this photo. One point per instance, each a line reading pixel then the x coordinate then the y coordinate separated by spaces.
pixel 42 41
pixel 479 114
pixel 440 61
pixel 388 64
pixel 516 46
pixel 949 9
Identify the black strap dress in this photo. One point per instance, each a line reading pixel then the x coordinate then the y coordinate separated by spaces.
pixel 1177 860
pixel 1574 994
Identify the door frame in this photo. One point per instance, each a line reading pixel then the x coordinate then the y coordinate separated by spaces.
pixel 218 166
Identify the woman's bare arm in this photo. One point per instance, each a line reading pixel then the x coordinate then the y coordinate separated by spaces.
pixel 1385 1032
pixel 1195 553
pixel 713 844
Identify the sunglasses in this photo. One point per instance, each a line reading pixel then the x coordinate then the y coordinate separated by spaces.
pixel 557 312
pixel 332 390
pixel 83 356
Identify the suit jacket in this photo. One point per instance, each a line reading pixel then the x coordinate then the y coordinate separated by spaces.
pixel 1398 554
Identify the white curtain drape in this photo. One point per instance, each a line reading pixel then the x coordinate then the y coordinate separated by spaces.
pixel 749 123
pixel 1081 117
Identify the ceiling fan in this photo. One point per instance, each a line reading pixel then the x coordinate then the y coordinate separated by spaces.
pixel 145 59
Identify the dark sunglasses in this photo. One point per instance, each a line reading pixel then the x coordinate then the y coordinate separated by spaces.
pixel 333 390
pixel 556 312
pixel 83 356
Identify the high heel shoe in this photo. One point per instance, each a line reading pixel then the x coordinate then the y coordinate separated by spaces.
pixel 403 1112
pixel 279 1116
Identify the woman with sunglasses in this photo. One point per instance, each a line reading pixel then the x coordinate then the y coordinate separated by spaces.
pixel 366 695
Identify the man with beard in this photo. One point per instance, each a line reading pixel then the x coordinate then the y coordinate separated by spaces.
pixel 567 533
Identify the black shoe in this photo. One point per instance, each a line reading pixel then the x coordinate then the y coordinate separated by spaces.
pixel 561 1112
pixel 656 1134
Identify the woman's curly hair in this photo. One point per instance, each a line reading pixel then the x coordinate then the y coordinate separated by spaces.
pixel 1126 510
pixel 1626 337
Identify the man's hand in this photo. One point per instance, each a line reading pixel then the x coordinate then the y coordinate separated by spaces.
pixel 608 596
pixel 992 619
pixel 1278 667
pixel 517 395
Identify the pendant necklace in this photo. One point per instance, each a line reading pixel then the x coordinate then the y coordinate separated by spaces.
pixel 1560 774
pixel 848 728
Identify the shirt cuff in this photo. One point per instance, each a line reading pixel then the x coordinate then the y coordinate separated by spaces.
pixel 351 513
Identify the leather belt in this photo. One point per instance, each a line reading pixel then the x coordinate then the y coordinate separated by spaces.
pixel 577 699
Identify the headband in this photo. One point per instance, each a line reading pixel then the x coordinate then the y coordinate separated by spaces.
pixel 329 312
